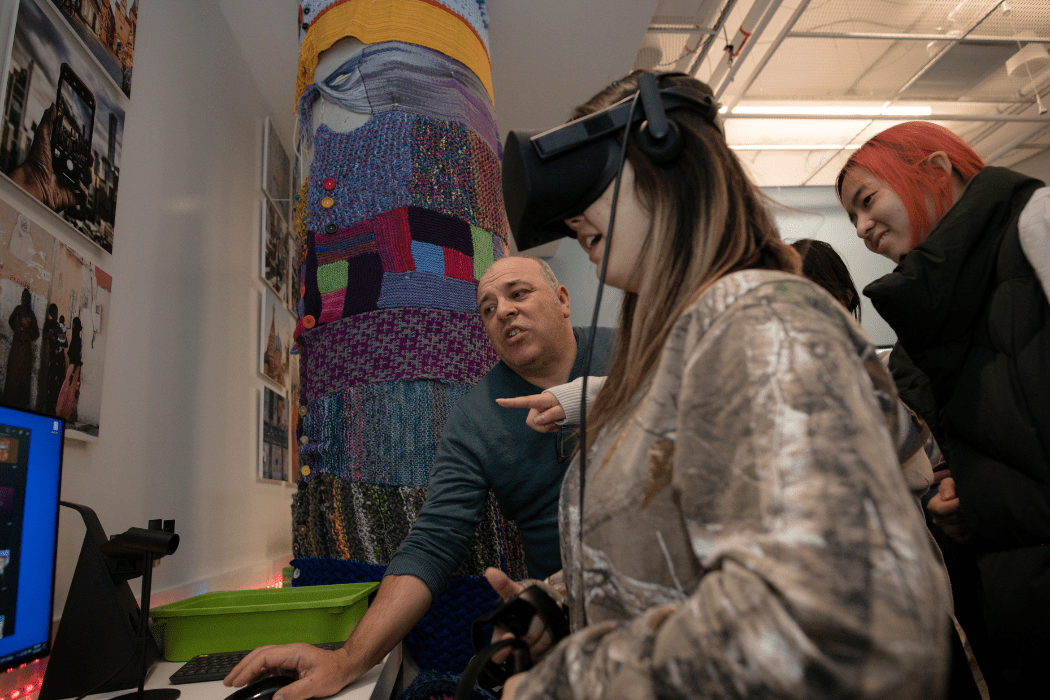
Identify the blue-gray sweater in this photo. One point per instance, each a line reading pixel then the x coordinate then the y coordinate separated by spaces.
pixel 484 447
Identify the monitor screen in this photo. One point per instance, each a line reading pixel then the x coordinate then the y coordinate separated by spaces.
pixel 30 472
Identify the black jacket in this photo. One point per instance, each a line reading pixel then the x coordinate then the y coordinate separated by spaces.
pixel 970 312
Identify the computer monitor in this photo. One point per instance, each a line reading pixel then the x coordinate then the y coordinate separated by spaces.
pixel 30 475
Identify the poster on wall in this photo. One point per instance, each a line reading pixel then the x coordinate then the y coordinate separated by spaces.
pixel 61 136
pixel 107 28
pixel 293 410
pixel 277 171
pixel 273 262
pixel 273 436
pixel 54 313
pixel 275 337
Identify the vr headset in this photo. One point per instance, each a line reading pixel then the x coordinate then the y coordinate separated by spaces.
pixel 555 175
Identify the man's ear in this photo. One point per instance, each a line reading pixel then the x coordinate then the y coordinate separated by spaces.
pixel 563 299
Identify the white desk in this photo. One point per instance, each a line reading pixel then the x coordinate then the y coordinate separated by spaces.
pixel 215 690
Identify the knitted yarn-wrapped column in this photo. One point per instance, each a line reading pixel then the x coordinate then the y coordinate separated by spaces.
pixel 395 223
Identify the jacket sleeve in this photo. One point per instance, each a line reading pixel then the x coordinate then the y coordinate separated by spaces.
pixel 816 578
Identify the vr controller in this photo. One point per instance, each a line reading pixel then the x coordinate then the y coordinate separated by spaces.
pixel 515 615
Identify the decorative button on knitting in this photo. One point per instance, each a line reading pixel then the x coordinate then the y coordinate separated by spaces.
pixel 309 321
pixel 305 471
pixel 330 228
pixel 304 440
pixel 327 202
pixel 328 183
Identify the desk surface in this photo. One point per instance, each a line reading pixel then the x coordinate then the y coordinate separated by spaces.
pixel 215 690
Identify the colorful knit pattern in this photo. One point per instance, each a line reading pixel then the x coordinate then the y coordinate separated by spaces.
pixel 455 28
pixel 409 257
pixel 396 160
pixel 335 519
pixel 399 76
pixel 378 433
pixel 394 344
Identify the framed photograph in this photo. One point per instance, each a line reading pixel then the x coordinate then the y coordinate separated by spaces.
pixel 275 337
pixel 273 436
pixel 107 28
pixel 277 171
pixel 53 343
pixel 64 123
pixel 292 296
pixel 293 411
pixel 274 251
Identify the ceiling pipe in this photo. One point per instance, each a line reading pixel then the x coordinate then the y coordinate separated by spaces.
pixel 743 41
pixel 980 38
pixel 723 17
pixel 769 53
pixel 896 117
pixel 1015 144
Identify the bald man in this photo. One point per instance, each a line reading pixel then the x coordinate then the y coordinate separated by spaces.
pixel 526 316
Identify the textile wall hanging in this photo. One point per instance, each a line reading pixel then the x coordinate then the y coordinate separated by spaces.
pixel 395 221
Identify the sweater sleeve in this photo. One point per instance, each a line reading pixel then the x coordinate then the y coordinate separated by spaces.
pixel 1034 231
pixel 815 578
pixel 569 395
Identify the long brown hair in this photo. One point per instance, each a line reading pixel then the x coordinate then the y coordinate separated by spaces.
pixel 708 220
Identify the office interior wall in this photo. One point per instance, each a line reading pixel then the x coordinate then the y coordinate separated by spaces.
pixel 180 399
pixel 1036 166
pixel 801 212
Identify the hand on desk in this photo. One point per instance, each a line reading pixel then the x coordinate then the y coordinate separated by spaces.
pixel 321 673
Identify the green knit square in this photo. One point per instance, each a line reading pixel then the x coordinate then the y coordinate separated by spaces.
pixel 332 277
pixel 482 240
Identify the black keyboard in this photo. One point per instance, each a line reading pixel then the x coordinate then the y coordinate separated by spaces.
pixel 215 667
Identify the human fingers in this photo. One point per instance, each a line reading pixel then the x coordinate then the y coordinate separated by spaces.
pixel 502 584
pixel 250 667
pixel 946 489
pixel 541 401
pixel 510 686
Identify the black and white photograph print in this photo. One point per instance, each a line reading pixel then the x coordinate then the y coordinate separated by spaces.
pixel 274 251
pixel 277 171
pixel 273 436
pixel 107 28
pixel 63 125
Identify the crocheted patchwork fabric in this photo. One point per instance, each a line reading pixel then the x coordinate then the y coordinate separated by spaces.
pixel 409 257
pixel 400 160
pixel 378 433
pixel 396 160
pixel 429 23
pixel 341 520
pixel 408 78
pixel 394 344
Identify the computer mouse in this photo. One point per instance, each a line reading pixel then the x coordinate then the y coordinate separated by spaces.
pixel 262 689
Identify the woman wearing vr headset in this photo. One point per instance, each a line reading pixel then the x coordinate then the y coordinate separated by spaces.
pixel 968 301
pixel 745 528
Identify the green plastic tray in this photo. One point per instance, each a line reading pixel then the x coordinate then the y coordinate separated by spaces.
pixel 238 620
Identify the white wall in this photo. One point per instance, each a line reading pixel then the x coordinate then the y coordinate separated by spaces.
pixel 804 212
pixel 180 397
pixel 1036 166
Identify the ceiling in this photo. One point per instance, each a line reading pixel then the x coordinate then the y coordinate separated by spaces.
pixel 949 57
pixel 948 61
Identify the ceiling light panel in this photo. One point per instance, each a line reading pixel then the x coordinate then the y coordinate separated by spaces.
pixel 939 17
pixel 793 131
pixel 826 69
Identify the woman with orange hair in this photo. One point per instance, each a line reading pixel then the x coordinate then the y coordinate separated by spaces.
pixel 968 301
